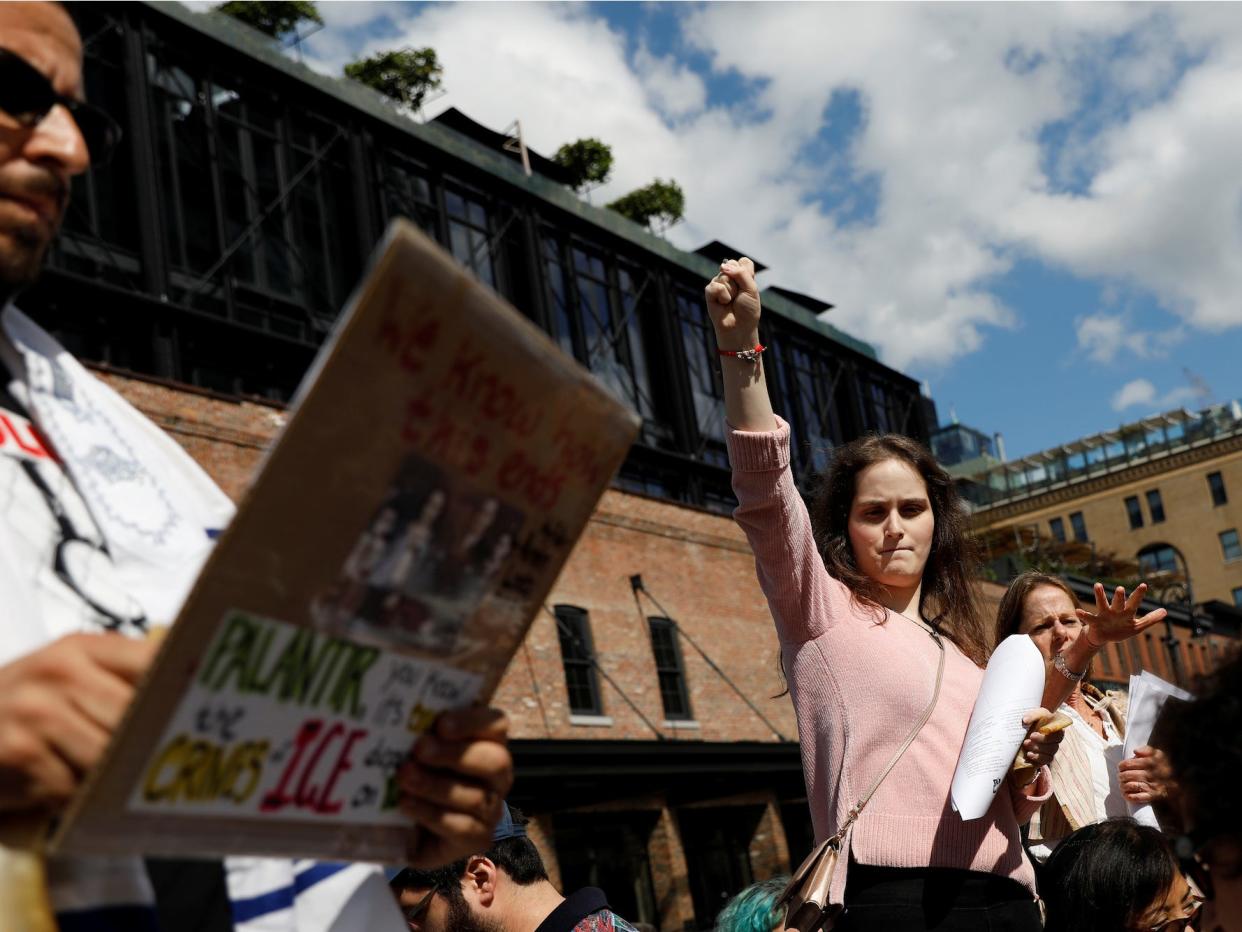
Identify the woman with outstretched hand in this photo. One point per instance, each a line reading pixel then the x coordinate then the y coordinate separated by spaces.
pixel 864 590
pixel 1088 785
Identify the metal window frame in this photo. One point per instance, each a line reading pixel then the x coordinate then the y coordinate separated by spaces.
pixel 1219 485
pixel 1155 506
pixel 1237 544
pixel 678 670
pixel 1080 536
pixel 575 621
pixel 1056 527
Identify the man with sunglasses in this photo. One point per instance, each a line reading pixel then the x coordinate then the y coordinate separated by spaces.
pixel 104 523
pixel 504 889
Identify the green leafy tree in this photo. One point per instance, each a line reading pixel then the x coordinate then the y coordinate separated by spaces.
pixel 587 161
pixel 275 19
pixel 1011 549
pixel 658 205
pixel 406 75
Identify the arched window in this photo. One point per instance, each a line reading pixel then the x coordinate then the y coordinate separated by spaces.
pixel 1155 559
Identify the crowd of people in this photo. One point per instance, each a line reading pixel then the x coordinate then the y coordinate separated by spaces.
pixel 870 587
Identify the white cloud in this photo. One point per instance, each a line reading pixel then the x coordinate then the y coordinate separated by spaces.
pixel 673 89
pixel 1136 392
pixel 1142 392
pixel 1144 189
pixel 1103 337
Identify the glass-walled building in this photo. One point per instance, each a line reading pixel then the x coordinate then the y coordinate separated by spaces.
pixel 219 245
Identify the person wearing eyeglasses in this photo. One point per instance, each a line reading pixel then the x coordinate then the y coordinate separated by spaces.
pixel 1205 748
pixel 104 524
pixel 1118 876
pixel 504 889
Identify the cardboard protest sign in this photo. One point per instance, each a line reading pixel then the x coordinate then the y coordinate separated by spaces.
pixel 441 460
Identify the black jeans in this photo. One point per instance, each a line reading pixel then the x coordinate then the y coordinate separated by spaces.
pixel 897 899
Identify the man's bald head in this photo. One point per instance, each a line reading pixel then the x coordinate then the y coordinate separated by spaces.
pixel 37 162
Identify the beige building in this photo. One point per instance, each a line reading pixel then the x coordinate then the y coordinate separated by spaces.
pixel 1164 493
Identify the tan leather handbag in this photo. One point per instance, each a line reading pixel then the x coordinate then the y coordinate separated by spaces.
pixel 806 898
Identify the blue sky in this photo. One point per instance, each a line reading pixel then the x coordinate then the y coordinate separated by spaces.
pixel 1035 208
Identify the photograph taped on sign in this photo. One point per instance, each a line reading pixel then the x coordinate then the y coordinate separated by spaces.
pixel 432 549
pixel 439 463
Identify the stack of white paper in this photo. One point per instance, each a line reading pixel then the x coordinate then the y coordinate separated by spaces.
pixel 1148 694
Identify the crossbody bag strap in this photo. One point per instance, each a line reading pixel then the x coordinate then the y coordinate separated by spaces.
pixel 914 733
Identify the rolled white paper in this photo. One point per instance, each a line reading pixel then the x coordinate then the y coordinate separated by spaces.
pixel 1013 684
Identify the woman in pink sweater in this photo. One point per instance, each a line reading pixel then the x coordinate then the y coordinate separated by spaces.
pixel 852 594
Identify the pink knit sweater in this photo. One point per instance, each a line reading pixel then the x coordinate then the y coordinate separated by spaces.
pixel 858 684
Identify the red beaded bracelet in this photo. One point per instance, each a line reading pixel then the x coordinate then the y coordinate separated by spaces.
pixel 746 355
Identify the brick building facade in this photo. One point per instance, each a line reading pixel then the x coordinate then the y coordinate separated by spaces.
pixel 669 815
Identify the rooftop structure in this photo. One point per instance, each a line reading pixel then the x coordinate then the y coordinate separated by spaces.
pixel 1146 441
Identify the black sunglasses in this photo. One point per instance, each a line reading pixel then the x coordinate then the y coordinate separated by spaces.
pixel 28 97
pixel 416 912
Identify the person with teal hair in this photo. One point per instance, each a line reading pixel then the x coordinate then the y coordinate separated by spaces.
pixel 754 909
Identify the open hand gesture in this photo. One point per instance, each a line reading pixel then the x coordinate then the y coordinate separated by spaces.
pixel 1115 620
pixel 733 299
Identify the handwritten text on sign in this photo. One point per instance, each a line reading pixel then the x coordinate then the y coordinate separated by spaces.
pixel 552 454
pixel 284 722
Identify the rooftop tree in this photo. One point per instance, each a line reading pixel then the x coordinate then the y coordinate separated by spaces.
pixel 273 18
pixel 406 75
pixel 588 162
pixel 657 206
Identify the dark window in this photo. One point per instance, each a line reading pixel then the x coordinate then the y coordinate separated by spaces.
pixel 669 668
pixel 885 407
pixel 265 232
pixel 1157 558
pixel 601 310
pixel 252 179
pixel 610 850
pixel 561 322
pixel 1155 505
pixel 407 192
pixel 698 341
pixel 1134 511
pixel 1079 525
pixel 1057 526
pixel 1237 597
pixel 99 236
pixel 1136 654
pixel 179 111
pixel 469 234
pixel 573 625
pixel 809 381
pixel 1229 544
pixel 717 844
pixel 1216 483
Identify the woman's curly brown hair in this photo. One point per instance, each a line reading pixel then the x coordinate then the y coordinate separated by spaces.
pixel 949 598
